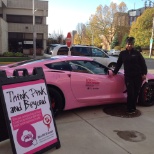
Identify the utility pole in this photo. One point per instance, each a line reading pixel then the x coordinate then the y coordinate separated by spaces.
pixel 151 40
pixel 34 33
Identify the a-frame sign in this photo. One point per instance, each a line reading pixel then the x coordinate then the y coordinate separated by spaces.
pixel 26 116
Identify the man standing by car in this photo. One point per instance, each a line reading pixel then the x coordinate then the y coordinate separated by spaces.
pixel 135 71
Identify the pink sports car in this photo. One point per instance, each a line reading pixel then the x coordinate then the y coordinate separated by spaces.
pixel 75 82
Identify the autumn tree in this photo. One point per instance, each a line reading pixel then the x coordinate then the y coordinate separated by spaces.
pixel 103 20
pixel 115 41
pixel 123 42
pixel 81 31
pixel 141 29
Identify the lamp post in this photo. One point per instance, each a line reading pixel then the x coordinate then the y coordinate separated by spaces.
pixel 34 33
pixel 151 40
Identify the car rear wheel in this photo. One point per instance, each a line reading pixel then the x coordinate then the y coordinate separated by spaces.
pixel 112 65
pixel 146 96
pixel 56 100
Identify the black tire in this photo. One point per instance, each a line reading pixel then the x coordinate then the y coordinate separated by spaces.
pixel 146 96
pixel 112 65
pixel 56 100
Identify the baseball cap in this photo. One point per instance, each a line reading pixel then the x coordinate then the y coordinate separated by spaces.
pixel 130 40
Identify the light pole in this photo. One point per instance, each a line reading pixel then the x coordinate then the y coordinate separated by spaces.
pixel 34 33
pixel 151 40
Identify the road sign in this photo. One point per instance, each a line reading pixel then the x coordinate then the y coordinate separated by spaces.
pixel 69 40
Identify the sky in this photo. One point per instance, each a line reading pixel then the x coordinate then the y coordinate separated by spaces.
pixel 64 15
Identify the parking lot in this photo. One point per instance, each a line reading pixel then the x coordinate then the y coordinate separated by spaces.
pixel 90 130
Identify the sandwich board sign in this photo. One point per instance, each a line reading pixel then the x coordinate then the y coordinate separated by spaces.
pixel 27 112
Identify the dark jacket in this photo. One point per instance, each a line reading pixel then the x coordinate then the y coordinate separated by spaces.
pixel 134 63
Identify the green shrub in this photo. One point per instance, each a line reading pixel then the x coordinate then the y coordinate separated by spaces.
pixel 8 54
pixel 13 54
pixel 18 54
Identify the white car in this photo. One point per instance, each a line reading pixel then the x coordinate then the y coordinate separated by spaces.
pixel 88 51
pixel 114 52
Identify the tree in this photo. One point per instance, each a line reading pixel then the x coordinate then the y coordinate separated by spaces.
pixel 122 7
pixel 56 38
pixel 81 31
pixel 103 20
pixel 115 41
pixel 141 29
pixel 123 43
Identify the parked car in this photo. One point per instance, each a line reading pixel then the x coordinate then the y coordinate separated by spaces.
pixel 88 51
pixel 114 52
pixel 76 81
pixel 49 48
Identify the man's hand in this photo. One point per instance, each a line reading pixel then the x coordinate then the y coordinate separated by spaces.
pixel 143 77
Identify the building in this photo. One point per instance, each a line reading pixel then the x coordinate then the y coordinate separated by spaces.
pixel 121 19
pixel 134 14
pixel 17 25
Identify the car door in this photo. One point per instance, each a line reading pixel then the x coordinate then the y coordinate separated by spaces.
pixel 88 87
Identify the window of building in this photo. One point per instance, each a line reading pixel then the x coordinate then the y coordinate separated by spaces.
pixel 23 19
pixel 15 35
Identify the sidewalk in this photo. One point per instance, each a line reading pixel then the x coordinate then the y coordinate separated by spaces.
pixel 91 131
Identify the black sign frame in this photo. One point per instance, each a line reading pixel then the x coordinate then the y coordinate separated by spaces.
pixel 6 131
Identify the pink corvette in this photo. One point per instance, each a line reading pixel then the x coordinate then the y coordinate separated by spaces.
pixel 75 82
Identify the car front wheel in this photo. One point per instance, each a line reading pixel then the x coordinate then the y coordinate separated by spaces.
pixel 146 96
pixel 56 100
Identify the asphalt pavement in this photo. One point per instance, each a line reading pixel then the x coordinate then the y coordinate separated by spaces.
pixel 91 131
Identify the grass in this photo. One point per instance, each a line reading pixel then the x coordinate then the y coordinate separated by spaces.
pixel 146 56
pixel 13 59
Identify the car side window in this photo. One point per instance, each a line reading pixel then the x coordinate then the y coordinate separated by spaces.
pixel 81 51
pixel 59 66
pixel 76 51
pixel 63 51
pixel 98 53
pixel 90 67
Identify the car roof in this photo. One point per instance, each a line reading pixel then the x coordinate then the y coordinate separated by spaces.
pixel 49 60
pixel 53 45
pixel 74 45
